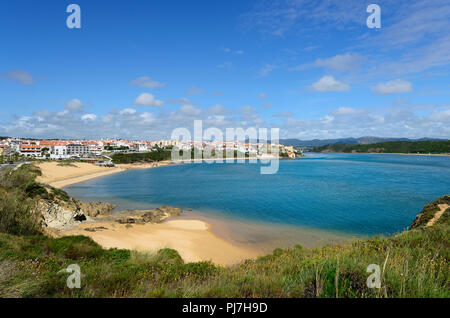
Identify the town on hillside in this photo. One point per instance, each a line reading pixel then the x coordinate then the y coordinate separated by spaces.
pixel 56 149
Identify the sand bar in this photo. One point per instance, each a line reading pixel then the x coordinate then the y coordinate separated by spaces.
pixel 59 176
pixel 193 239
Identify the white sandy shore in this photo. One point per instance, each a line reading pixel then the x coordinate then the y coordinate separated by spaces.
pixel 193 239
pixel 60 176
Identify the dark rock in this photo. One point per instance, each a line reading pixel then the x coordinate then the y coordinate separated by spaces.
pixel 80 217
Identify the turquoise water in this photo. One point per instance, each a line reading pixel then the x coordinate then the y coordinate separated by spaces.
pixel 360 194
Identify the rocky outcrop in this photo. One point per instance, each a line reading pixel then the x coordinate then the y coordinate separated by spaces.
pixel 144 216
pixel 95 209
pixel 60 214
pixel 63 214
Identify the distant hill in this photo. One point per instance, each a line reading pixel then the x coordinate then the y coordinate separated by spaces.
pixel 424 147
pixel 346 141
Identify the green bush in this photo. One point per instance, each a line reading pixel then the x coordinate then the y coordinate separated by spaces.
pixel 17 214
pixel 168 256
pixel 17 211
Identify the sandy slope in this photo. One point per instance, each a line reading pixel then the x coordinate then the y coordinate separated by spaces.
pixel 61 176
pixel 438 214
pixel 193 239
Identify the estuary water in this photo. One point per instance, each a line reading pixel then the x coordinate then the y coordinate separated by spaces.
pixel 333 194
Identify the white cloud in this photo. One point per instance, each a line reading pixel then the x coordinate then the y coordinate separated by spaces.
pixel 127 111
pixel 21 77
pixel 146 99
pixel 392 87
pixel 262 95
pixel 189 110
pixel 216 120
pixel 147 82
pixel 89 117
pixel 346 62
pixel 310 48
pixel 225 65
pixel 180 101
pixel 346 111
pixel 216 109
pixel 283 114
pixel 195 90
pixel 74 105
pixel 247 110
pixel 443 116
pixel 267 69
pixel 147 117
pixel 267 105
pixel 328 83
pixel 279 17
pixel 228 50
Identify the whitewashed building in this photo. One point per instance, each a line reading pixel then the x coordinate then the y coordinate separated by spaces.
pixel 58 152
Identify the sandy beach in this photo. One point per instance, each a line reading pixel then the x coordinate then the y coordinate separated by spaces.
pixel 59 176
pixel 193 239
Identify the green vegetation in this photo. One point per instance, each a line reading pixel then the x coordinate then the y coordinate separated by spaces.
pixel 166 154
pixel 413 147
pixel 430 210
pixel 110 148
pixel 152 156
pixel 17 187
pixel 66 163
pixel 18 194
pixel 199 154
pixel 414 263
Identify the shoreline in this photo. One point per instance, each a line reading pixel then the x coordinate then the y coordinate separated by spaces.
pixel 388 153
pixel 263 237
pixel 196 237
pixel 193 239
pixel 60 176
pixel 65 175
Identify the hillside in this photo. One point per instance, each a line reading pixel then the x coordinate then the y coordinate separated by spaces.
pixel 346 141
pixel 412 147
pixel 414 263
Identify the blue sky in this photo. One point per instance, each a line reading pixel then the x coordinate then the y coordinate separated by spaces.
pixel 139 69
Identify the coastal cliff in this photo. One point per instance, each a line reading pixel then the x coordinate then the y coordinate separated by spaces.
pixel 436 212
pixel 37 205
pixel 57 213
